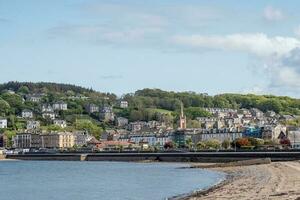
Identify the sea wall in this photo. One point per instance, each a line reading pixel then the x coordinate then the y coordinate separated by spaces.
pixel 166 157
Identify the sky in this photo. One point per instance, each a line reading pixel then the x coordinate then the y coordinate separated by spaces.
pixel 119 46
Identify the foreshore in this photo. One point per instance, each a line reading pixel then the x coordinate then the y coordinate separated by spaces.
pixel 276 181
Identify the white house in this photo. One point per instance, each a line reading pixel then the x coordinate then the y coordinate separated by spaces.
pixel 27 114
pixel 121 121
pixel 47 108
pixel 3 123
pixel 31 124
pixel 34 97
pixel 294 137
pixel 60 106
pixel 123 104
pixel 60 123
pixel 50 115
pixel 91 108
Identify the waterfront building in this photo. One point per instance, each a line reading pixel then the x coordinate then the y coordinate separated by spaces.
pixel 3 123
pixel 81 138
pixel 293 135
pixel 179 138
pixel 27 113
pixel 271 132
pixel 59 140
pixel 150 139
pixel 220 136
pixel 1 140
pixel 27 141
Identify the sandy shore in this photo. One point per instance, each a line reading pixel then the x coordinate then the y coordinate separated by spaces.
pixel 280 180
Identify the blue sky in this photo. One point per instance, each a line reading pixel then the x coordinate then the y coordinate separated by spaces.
pixel 124 45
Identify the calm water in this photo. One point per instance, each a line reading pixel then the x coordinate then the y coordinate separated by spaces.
pixel 59 180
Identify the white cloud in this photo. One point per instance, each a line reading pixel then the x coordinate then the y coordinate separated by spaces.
pixel 272 14
pixel 279 57
pixel 297 31
pixel 258 43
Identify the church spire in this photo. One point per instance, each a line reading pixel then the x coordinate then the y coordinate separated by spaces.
pixel 182 120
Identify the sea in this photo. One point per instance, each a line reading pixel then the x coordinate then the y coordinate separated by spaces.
pixel 74 180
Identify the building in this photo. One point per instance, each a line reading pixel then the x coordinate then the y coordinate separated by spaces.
pixel 32 125
pixel 107 114
pixel 82 138
pixel 123 104
pixel 293 135
pixel 121 121
pixel 179 138
pixel 220 136
pixel 271 132
pixel 34 97
pixel 91 108
pixel 27 113
pixel 1 140
pixel 149 139
pixel 27 141
pixel 256 113
pixel 60 105
pixel 254 132
pixel 60 123
pixel 3 123
pixel 207 122
pixel 182 120
pixel 61 140
pixel 162 139
pixel 47 108
pixel 137 126
pixel 48 115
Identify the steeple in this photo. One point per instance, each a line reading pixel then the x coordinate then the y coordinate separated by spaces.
pixel 182 120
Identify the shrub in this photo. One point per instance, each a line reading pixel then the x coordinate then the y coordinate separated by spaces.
pixel 213 144
pixel 201 145
pixel 226 144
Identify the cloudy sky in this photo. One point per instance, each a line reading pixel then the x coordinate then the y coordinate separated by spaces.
pixel 123 45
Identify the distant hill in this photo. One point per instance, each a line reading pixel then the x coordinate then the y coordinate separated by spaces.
pixel 44 86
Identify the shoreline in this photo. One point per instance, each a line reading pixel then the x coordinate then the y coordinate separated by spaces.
pixel 276 181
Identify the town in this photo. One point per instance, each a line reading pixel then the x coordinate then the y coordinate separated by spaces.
pixel 54 124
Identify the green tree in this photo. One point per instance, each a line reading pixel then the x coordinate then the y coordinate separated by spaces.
pixel 189 143
pixel 4 107
pixel 89 126
pixel 15 101
pixel 23 89
pixel 9 135
pixel 194 112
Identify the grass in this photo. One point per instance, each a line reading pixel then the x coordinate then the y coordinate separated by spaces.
pixel 163 111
